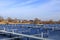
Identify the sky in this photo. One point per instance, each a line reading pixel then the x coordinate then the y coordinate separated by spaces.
pixel 30 9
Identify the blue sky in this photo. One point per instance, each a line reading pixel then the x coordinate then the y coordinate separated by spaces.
pixel 30 9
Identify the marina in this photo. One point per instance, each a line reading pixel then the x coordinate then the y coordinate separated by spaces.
pixel 29 31
pixel 29 19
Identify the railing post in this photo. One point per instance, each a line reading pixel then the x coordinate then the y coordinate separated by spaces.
pixel 53 29
pixel 4 29
pixel 42 34
pixel 12 31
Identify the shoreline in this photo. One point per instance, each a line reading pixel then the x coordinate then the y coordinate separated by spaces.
pixel 26 23
pixel 21 23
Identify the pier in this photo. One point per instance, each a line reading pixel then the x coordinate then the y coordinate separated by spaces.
pixel 24 35
pixel 52 28
pixel 4 31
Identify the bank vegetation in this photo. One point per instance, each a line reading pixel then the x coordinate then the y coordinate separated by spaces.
pixel 19 21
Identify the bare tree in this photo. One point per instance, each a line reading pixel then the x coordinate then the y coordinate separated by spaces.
pixel 9 19
pixel 31 21
pixel 16 20
pixel 1 18
pixel 58 22
pixel 36 21
pixel 51 21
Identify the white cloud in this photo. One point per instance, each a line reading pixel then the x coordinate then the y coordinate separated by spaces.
pixel 50 10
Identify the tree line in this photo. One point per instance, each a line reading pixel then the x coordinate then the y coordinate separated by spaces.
pixel 34 21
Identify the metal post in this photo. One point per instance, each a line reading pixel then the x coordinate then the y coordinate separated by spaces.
pixel 47 32
pixel 4 29
pixel 13 31
pixel 53 29
pixel 42 34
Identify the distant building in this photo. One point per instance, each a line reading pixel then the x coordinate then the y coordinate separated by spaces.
pixel 25 21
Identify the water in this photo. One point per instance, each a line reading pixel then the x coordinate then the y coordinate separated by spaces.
pixel 30 29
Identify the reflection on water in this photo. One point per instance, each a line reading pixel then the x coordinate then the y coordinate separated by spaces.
pixel 30 29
